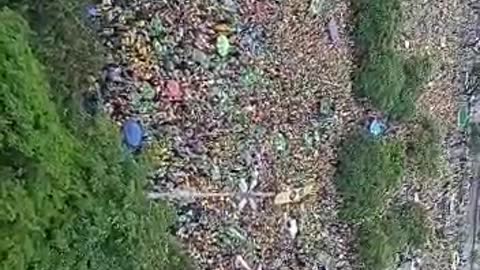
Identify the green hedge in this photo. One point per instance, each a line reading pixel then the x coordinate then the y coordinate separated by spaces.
pixel 67 47
pixel 369 174
pixel 382 239
pixel 67 200
pixel 424 149
pixel 369 171
pixel 390 81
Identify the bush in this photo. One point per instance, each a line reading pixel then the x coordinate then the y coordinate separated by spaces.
pixel 382 80
pixel 391 82
pixel 67 200
pixel 423 148
pixel 377 24
pixel 66 45
pixel 369 171
pixel 381 239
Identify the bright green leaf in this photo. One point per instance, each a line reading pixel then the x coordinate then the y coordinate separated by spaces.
pixel 223 45
pixel 463 117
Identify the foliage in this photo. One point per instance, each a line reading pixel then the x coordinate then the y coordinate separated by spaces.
pixel 417 69
pixel 424 149
pixel 381 80
pixel 382 238
pixel 64 41
pixel 377 25
pixel 371 171
pixel 390 81
pixel 65 202
pixel 463 117
pixel 368 172
pixel 223 45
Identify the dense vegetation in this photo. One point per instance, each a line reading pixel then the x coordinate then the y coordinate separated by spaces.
pixel 423 148
pixel 69 199
pixel 400 228
pixel 389 80
pixel 63 38
pixel 371 170
pixel 369 174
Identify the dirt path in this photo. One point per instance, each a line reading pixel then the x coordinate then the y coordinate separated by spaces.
pixel 471 59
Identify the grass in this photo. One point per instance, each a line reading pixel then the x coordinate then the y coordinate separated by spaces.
pixel 389 80
pixel 66 46
pixel 369 174
pixel 380 240
pixel 378 22
pixel 392 83
pixel 423 148
pixel 370 170
pixel 68 199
